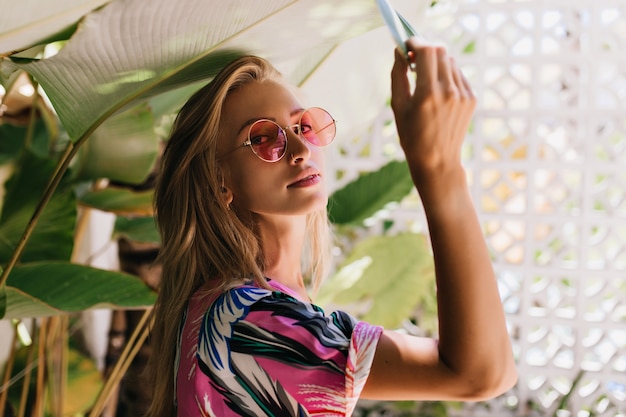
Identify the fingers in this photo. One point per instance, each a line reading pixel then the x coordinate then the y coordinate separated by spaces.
pixel 462 82
pixel 434 68
pixel 400 87
pixel 437 76
pixel 444 69
pixel 424 60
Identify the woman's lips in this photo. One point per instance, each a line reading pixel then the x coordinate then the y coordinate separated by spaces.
pixel 306 181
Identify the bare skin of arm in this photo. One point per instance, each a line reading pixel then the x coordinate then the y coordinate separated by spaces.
pixel 472 359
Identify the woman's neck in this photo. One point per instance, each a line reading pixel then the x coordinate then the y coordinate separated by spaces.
pixel 282 239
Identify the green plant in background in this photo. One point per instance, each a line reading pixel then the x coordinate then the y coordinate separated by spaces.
pixel 92 140
pixel 405 409
pixel 601 405
pixel 383 278
pixel 104 90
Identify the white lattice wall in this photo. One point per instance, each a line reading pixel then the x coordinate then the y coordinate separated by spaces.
pixel 547 160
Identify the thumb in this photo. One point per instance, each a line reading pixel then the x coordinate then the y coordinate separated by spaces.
pixel 400 86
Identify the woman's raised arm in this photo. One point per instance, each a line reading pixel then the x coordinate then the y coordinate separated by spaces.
pixel 472 358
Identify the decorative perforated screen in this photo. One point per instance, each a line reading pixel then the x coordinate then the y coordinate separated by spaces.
pixel 546 157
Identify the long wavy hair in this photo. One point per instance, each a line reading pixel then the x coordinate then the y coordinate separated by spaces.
pixel 203 243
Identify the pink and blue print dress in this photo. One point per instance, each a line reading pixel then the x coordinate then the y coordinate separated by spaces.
pixel 256 352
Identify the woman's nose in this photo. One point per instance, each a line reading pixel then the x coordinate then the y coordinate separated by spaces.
pixel 298 149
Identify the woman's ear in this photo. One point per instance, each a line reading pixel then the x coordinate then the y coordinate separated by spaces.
pixel 225 191
pixel 227 195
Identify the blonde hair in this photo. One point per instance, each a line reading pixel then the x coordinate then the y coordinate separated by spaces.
pixel 203 243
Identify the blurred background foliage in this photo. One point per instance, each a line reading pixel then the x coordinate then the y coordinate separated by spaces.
pixel 86 103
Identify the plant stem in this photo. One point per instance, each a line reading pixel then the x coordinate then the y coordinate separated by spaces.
pixel 30 131
pixel 70 151
pixel 29 368
pixel 134 343
pixel 64 162
pixel 79 231
pixel 57 363
pixel 40 391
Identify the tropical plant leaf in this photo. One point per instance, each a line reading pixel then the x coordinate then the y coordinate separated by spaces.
pixel 8 76
pixel 28 22
pixel 369 193
pixel 191 40
pixel 121 201
pixel 53 237
pixel 50 288
pixel 170 102
pixel 123 149
pixel 383 280
pixel 137 229
pixel 408 28
pixel 12 141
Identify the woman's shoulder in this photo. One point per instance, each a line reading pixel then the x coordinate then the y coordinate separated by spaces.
pixel 237 299
pixel 249 303
pixel 250 297
pixel 250 291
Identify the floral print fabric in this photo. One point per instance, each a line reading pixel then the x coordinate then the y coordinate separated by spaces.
pixel 255 352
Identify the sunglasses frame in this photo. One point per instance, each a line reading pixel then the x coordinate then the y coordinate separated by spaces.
pixel 284 130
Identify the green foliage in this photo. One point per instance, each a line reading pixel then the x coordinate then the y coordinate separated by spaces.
pixel 43 24
pixel 138 229
pixel 117 87
pixel 404 408
pixel 132 131
pixel 50 288
pixel 383 279
pixel 370 193
pixel 14 141
pixel 3 301
pixel 135 65
pixel 470 48
pixel 53 238
pixel 119 200
pixel 563 403
pixel 114 92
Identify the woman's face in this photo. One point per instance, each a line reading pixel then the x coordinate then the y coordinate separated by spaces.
pixel 291 186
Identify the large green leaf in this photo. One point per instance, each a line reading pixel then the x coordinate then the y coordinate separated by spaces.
pixel 53 237
pixel 383 280
pixel 49 288
pixel 170 102
pixel 121 201
pixel 27 22
pixel 109 62
pixel 123 149
pixel 370 193
pixel 138 229
pixel 12 140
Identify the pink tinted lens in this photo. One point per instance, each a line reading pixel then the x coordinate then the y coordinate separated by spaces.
pixel 317 126
pixel 267 140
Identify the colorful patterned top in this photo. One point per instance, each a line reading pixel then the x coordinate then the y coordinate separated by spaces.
pixel 255 352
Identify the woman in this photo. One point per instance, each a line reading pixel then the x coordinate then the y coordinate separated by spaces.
pixel 241 205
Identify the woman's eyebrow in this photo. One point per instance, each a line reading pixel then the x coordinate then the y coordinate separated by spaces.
pixel 250 121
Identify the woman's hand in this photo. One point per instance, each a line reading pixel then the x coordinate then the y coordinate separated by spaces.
pixel 432 120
